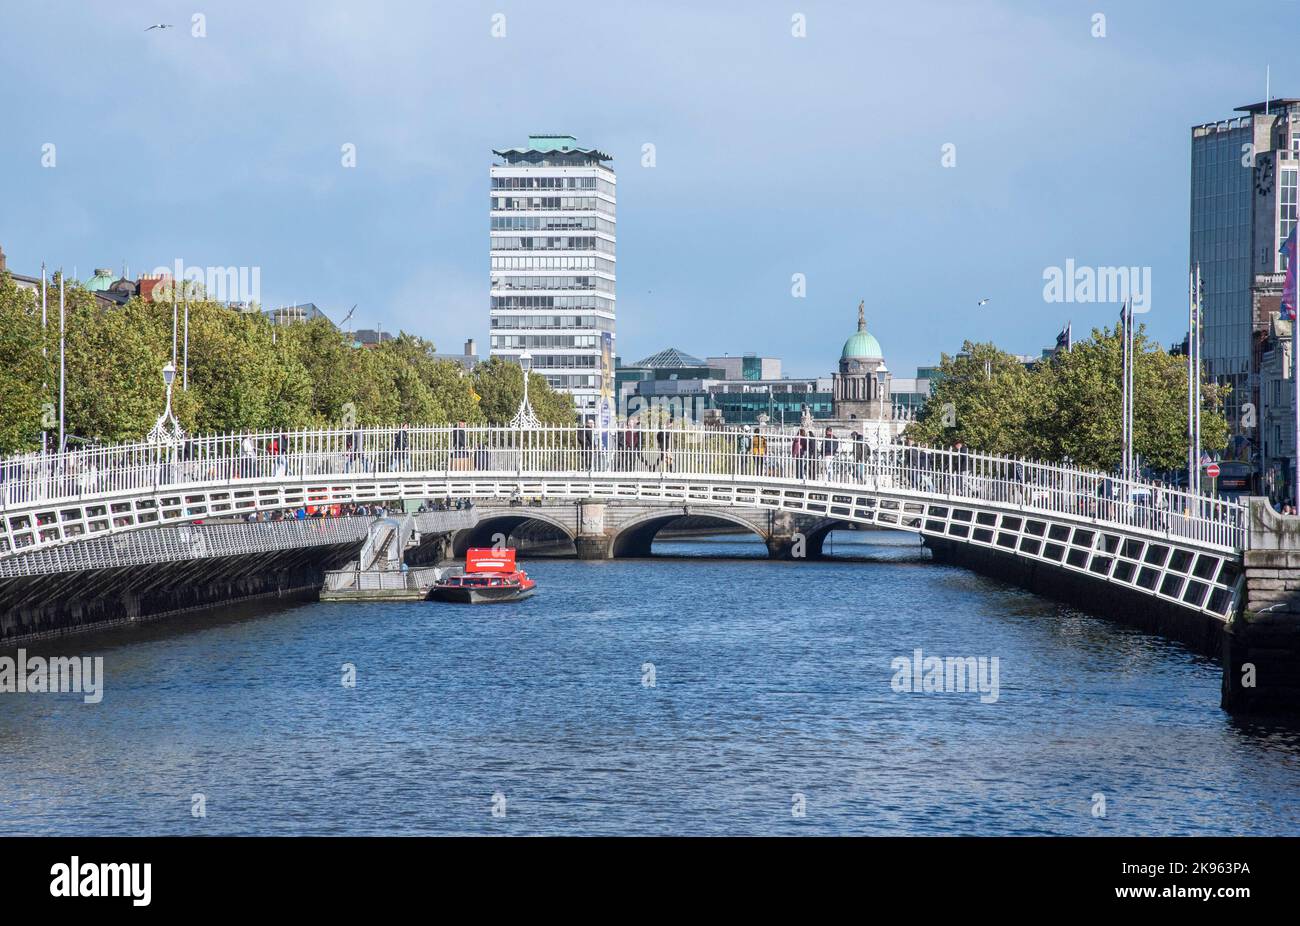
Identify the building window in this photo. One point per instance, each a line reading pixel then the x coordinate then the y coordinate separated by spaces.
pixel 1286 205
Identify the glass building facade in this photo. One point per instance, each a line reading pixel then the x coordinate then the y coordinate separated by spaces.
pixel 1221 222
pixel 1243 195
pixel 553 264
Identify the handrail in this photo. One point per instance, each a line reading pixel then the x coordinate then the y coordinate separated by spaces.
pixel 32 482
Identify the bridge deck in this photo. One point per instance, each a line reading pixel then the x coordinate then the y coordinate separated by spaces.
pixel 1151 535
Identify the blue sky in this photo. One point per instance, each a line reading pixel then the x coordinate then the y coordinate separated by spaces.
pixel 775 155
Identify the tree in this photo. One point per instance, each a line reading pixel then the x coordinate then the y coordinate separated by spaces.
pixel 114 359
pixel 1070 406
pixel 22 372
pixel 331 366
pixel 244 374
pixel 1084 390
pixel 239 379
pixel 501 385
pixel 453 391
pixel 983 397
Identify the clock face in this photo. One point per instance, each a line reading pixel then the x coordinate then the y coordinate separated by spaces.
pixel 1264 177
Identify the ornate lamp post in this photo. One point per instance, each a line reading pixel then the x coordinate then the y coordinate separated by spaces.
pixel 524 417
pixel 167 430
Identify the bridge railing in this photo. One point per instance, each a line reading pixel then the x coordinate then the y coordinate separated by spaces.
pixel 772 453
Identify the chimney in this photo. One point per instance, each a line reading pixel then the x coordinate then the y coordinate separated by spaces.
pixel 469 345
pixel 2 260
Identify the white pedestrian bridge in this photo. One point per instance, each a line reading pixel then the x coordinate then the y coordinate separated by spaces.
pixel 1149 537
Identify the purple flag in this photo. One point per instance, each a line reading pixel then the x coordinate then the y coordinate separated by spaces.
pixel 1288 285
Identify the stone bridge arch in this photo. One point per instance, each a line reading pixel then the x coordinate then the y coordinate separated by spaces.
pixel 630 531
pixel 498 521
pixel 636 537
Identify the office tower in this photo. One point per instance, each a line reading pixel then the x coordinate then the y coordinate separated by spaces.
pixel 552 252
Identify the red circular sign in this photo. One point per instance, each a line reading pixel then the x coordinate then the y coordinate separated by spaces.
pixel 1212 470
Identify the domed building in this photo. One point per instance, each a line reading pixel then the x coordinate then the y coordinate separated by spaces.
pixel 861 387
pixel 101 281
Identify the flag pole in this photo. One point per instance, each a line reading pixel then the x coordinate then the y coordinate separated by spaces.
pixel 173 327
pixel 1132 365
pixel 1196 405
pixel 1123 440
pixel 1191 324
pixel 45 353
pixel 185 375
pixel 62 365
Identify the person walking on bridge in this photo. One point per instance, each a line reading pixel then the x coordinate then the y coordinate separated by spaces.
pixel 798 450
pixel 758 450
pixel 960 461
pixel 401 445
pixel 626 447
pixel 830 446
pixel 247 454
pixel 586 441
pixel 861 453
pixel 459 458
pixel 665 441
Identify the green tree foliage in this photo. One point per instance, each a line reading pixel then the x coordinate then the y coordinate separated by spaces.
pixel 241 377
pixel 22 370
pixel 114 369
pixel 501 386
pixel 244 373
pixel 1069 406
pixel 985 397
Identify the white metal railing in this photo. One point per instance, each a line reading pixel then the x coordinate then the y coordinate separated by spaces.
pixel 357 580
pixel 211 539
pixel 389 537
pixel 35 481
pixel 381 533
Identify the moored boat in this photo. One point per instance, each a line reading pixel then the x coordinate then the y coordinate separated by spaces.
pixel 490 577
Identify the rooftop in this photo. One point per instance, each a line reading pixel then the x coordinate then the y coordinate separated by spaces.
pixel 552 144
pixel 1270 105
pixel 670 358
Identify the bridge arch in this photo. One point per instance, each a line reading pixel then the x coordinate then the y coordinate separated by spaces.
pixel 815 535
pixel 636 537
pixel 482 533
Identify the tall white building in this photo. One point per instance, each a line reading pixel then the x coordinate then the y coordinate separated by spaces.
pixel 553 264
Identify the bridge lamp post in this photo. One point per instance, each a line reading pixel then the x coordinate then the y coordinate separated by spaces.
pixel 167 430
pixel 524 417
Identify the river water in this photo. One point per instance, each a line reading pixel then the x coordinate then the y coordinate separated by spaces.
pixel 706 691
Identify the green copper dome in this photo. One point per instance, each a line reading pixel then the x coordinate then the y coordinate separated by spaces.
pixel 861 345
pixel 100 282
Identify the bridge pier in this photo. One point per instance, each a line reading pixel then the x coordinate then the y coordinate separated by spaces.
pixel 786 537
pixel 593 540
pixel 1261 646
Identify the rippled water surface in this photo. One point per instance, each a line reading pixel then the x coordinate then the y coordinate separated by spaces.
pixel 771 680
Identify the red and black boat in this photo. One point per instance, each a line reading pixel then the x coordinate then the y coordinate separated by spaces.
pixel 490 577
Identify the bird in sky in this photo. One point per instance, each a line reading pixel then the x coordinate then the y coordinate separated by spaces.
pixel 159 26
pixel 982 301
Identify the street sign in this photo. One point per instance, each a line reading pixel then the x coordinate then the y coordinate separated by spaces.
pixel 1212 470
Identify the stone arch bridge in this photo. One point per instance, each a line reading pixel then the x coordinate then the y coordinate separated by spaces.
pixel 604 530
